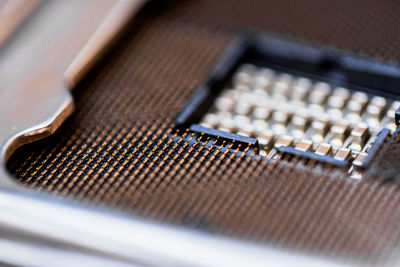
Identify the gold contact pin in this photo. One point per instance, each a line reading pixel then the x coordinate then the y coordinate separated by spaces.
pixel 324 149
pixel 359 159
pixel 359 136
pixel 343 154
pixel 304 145
pixel 284 140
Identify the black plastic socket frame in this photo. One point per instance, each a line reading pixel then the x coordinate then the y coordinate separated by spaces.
pixel 327 64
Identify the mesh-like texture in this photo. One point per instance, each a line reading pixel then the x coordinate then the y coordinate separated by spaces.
pixel 386 165
pixel 118 147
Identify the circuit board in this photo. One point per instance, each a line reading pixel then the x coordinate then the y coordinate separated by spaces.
pixel 202 118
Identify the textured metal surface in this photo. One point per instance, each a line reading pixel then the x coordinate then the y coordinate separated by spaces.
pixel 118 147
pixel 34 99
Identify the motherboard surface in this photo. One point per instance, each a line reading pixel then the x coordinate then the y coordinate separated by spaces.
pixel 121 147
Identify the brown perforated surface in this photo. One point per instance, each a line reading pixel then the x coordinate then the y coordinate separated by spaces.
pixel 117 148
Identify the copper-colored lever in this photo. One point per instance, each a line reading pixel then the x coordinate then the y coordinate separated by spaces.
pixel 46 58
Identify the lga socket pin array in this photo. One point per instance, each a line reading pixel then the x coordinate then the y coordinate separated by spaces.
pixel 280 109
